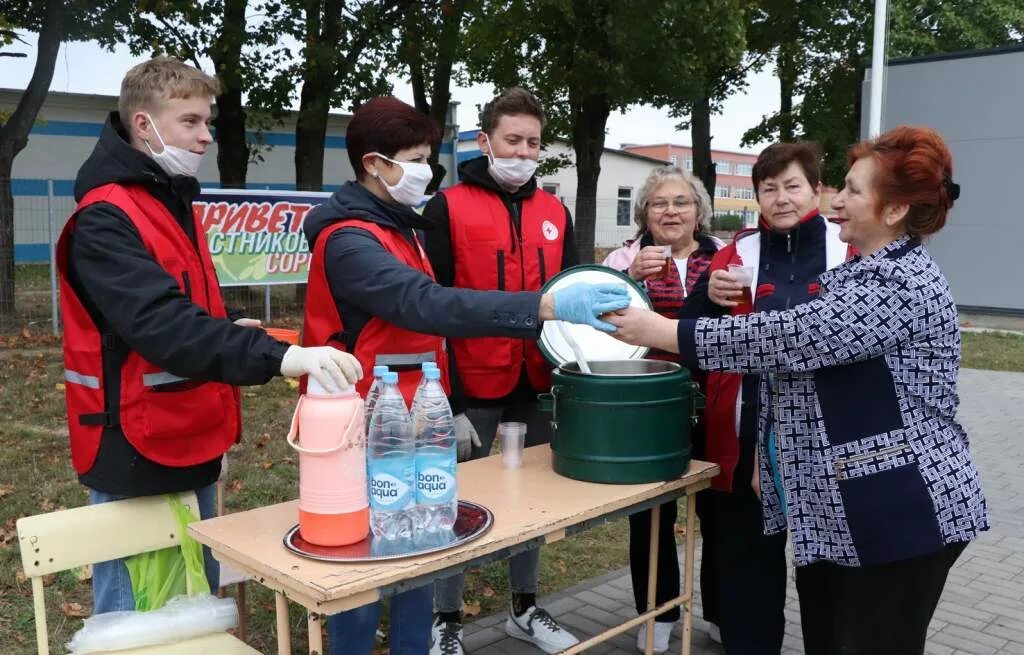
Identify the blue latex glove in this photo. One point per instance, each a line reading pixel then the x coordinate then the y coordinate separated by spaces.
pixel 583 303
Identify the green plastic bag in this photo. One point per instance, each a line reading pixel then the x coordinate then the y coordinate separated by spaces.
pixel 160 575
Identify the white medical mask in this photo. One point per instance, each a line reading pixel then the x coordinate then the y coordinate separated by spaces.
pixel 510 172
pixel 174 160
pixel 411 186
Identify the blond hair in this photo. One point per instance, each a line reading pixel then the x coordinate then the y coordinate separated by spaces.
pixel 162 78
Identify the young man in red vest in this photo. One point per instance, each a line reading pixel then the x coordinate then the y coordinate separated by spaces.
pixel 495 230
pixel 150 355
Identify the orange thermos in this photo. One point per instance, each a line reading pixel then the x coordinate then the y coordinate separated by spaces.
pixel 328 431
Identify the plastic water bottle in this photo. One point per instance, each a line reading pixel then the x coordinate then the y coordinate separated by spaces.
pixel 424 367
pixel 373 393
pixel 436 456
pixel 391 464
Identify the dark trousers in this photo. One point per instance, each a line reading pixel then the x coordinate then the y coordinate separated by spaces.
pixel 667 583
pixel 882 609
pixel 743 572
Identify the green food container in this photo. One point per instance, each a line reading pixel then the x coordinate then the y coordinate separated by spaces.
pixel 629 420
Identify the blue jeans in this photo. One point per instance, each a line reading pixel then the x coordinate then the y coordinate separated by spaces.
pixel 353 632
pixel 111 584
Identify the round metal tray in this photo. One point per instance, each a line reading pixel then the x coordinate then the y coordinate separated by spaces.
pixel 471 523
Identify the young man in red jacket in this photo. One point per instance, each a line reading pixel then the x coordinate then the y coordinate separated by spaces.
pixel 495 230
pixel 151 357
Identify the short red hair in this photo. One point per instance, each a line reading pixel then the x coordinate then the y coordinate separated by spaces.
pixel 386 125
pixel 913 167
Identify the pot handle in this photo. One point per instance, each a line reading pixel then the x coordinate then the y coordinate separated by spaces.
pixel 548 403
pixel 697 402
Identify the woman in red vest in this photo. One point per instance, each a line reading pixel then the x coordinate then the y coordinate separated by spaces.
pixel 372 293
pixel 673 210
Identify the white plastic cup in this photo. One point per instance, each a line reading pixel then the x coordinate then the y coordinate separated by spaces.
pixel 512 436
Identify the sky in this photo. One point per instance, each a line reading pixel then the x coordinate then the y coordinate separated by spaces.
pixel 87 68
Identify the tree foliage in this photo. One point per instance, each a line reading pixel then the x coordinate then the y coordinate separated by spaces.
pixel 836 41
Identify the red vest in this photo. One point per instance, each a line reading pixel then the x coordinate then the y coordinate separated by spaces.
pixel 489 256
pixel 166 418
pixel 379 342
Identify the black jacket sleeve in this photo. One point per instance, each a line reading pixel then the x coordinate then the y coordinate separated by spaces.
pixel 570 257
pixel 363 273
pixel 438 240
pixel 130 295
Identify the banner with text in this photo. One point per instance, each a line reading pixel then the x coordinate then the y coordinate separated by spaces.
pixel 256 236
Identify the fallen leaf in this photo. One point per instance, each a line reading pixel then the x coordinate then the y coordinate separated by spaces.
pixel 49 579
pixel 287 460
pixel 9 533
pixel 561 566
pixel 236 485
pixel 487 592
pixel 266 465
pixel 46 505
pixel 59 386
pixel 20 576
pixel 471 608
pixel 74 610
pixel 6 490
pixel 292 383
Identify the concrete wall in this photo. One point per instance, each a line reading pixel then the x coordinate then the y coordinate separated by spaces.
pixel 977 103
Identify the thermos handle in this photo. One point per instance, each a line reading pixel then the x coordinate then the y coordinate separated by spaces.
pixel 549 403
pixel 697 402
pixel 293 432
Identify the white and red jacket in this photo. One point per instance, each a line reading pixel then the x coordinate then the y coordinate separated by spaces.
pixel 168 419
pixel 724 398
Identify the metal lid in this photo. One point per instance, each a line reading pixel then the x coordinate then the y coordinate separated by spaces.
pixel 596 345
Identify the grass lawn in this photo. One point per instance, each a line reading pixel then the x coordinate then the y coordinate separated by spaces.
pixel 38 478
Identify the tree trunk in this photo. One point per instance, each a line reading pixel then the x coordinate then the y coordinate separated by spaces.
pixel 590 117
pixel 226 53
pixel 14 138
pixel 318 84
pixel 700 136
pixel 787 84
pixel 448 46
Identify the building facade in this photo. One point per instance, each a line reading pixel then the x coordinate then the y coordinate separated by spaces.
pixel 734 190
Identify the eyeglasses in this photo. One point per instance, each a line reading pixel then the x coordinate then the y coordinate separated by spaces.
pixel 681 203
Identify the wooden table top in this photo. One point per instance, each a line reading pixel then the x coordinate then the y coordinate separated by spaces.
pixel 527 503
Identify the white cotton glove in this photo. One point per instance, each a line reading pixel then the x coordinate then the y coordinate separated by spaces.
pixel 333 369
pixel 465 436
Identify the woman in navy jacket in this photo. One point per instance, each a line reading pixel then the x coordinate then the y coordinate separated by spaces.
pixel 872 473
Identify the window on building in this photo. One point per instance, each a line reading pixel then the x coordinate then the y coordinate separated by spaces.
pixel 742 193
pixel 744 169
pixel 674 160
pixel 721 191
pixel 722 166
pixel 624 205
pixel 550 187
pixel 689 164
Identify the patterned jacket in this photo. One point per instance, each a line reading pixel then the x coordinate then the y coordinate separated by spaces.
pixel 863 400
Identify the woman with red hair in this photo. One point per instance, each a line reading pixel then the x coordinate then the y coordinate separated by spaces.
pixel 870 470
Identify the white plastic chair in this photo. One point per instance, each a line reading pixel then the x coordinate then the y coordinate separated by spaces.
pixel 70 538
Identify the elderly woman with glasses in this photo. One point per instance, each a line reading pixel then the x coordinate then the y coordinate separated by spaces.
pixel 670 252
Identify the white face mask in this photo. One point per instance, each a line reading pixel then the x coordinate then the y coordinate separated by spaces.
pixel 174 160
pixel 413 183
pixel 510 172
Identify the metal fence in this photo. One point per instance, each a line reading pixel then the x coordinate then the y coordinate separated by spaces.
pixel 40 217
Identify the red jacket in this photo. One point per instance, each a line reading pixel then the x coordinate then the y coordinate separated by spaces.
pixel 168 419
pixel 379 342
pixel 489 255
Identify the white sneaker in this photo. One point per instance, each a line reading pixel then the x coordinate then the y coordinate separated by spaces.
pixel 540 629
pixel 662 633
pixel 715 633
pixel 446 639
